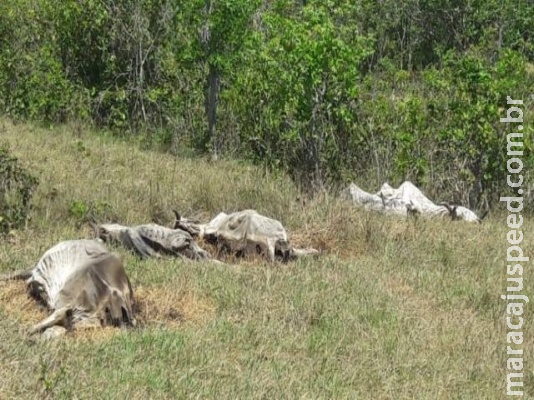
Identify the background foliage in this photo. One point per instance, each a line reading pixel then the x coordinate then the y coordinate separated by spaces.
pixel 16 191
pixel 329 91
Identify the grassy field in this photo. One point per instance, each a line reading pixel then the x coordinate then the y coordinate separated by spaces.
pixel 393 309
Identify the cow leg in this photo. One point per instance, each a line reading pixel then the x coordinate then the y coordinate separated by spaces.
pixel 305 252
pixel 271 249
pixel 61 317
pixel 221 248
pixel 53 332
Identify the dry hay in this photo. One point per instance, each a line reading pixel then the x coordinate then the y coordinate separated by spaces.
pixel 318 237
pixel 157 307
pixel 162 307
pixel 18 305
pixel 324 235
pixel 210 248
pixel 169 307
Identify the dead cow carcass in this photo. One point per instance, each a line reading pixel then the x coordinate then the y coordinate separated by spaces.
pixel 152 240
pixel 406 200
pixel 243 233
pixel 82 284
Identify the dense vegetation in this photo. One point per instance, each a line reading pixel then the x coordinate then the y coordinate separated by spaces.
pixel 16 187
pixel 327 90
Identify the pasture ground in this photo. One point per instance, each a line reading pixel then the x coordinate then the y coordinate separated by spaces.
pixel 393 309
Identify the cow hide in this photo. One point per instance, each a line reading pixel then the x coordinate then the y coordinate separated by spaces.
pixel 244 233
pixel 152 240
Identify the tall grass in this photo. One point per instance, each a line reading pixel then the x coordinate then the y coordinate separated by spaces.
pixel 393 309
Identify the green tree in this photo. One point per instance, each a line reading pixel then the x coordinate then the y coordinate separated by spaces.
pixel 308 77
pixel 219 29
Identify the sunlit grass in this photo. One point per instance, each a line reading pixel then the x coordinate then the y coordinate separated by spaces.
pixel 393 309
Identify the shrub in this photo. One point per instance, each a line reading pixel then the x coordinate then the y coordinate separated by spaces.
pixel 16 190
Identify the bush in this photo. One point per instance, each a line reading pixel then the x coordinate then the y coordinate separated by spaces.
pixel 16 190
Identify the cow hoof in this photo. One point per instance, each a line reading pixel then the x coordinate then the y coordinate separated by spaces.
pixel 52 333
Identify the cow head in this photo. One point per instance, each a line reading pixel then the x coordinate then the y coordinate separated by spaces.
pixel 193 227
pixel 284 250
pixel 100 232
pixel 452 210
pixel 184 244
pixel 461 213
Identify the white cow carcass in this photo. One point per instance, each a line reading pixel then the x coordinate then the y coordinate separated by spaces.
pixel 243 233
pixel 152 240
pixel 82 284
pixel 406 199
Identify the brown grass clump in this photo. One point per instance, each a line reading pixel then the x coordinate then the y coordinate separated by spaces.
pixel 100 334
pixel 157 307
pixel 18 305
pixel 163 306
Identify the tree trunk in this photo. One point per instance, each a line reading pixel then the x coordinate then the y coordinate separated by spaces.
pixel 213 84
pixel 315 138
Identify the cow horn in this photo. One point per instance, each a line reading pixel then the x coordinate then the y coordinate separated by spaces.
pixel 448 207
pixel 177 215
pixel 451 210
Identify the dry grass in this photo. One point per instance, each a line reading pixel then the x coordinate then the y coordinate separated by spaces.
pixel 393 309
pixel 18 305
pixel 154 306
pixel 157 306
